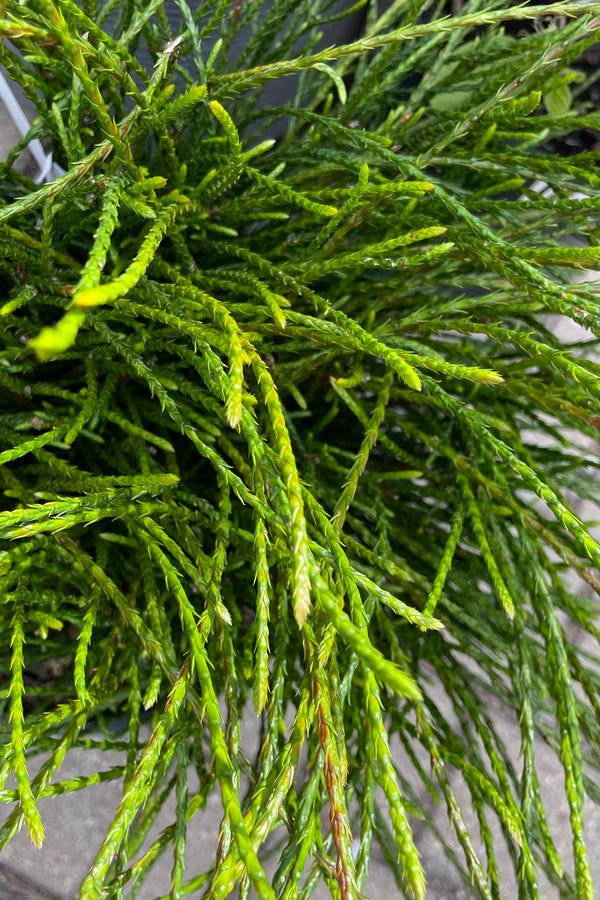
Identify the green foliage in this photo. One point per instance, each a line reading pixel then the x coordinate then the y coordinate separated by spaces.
pixel 283 420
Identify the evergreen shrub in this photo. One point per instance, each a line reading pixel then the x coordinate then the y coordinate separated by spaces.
pixel 284 422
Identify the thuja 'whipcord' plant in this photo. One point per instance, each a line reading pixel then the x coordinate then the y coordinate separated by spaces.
pixel 284 421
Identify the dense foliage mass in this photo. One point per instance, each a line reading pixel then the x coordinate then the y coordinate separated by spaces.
pixel 284 421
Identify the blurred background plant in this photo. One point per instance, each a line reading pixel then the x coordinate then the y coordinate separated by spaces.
pixel 284 422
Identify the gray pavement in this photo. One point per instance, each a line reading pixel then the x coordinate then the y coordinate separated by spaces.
pixel 76 824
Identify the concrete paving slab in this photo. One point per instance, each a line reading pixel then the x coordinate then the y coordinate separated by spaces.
pixel 14 887
pixel 76 824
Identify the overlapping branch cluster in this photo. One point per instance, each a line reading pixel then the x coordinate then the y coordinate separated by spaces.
pixel 270 421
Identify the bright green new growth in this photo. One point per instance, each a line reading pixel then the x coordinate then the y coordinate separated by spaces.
pixel 284 422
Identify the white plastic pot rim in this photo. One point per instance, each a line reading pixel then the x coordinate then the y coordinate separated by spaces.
pixel 48 169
